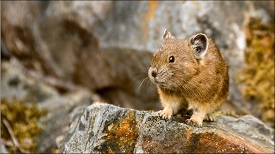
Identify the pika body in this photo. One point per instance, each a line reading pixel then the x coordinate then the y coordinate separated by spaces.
pixel 189 73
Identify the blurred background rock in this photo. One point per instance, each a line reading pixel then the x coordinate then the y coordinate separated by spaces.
pixel 65 54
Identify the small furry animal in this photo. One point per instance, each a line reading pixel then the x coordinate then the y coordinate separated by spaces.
pixel 189 73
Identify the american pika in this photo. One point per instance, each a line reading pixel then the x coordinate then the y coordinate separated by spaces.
pixel 189 73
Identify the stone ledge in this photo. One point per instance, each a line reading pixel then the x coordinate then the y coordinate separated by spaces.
pixel 107 128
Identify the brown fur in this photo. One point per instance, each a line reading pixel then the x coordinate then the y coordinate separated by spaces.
pixel 200 84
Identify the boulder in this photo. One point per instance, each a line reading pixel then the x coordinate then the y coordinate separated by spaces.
pixel 16 85
pixel 56 38
pixel 106 128
pixel 107 46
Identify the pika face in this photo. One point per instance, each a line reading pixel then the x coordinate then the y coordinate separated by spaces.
pixel 176 61
pixel 189 73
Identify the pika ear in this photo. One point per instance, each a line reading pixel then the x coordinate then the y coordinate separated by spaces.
pixel 167 34
pixel 199 44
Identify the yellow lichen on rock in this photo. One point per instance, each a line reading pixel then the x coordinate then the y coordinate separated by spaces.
pixel 258 75
pixel 123 133
pixel 23 122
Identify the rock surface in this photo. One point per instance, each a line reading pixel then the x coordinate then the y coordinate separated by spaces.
pixel 56 38
pixel 107 46
pixel 110 129
pixel 16 84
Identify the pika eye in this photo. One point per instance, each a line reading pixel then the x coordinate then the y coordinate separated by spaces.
pixel 171 59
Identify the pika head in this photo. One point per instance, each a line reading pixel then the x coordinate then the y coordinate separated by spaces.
pixel 189 73
pixel 176 61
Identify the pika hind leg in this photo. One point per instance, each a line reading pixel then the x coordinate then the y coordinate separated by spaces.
pixel 209 117
pixel 197 117
pixel 212 111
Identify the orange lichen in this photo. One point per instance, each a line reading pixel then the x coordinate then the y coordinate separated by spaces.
pixel 151 11
pixel 123 133
pixel 225 142
pixel 150 15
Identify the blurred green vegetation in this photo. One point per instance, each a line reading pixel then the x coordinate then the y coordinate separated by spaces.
pixel 258 75
pixel 22 118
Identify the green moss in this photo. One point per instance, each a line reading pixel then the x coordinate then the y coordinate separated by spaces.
pixel 23 121
pixel 258 76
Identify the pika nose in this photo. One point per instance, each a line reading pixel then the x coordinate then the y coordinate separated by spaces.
pixel 154 73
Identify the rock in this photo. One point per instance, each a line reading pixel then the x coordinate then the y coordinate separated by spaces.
pixel 109 129
pixel 58 41
pixel 118 84
pixel 16 84
pixel 55 124
pixel 16 33
pixel 84 13
pixel 75 41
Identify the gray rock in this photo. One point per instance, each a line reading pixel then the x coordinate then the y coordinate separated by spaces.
pixel 55 124
pixel 106 128
pixel 16 84
pixel 58 40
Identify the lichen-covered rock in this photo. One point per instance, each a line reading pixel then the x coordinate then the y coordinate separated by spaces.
pixel 18 85
pixel 110 129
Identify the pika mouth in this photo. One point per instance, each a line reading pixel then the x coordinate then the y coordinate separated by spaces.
pixel 158 82
pixel 154 76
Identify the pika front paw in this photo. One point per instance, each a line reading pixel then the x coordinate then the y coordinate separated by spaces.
pixel 166 113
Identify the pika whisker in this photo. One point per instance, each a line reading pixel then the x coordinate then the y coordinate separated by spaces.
pixel 139 87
